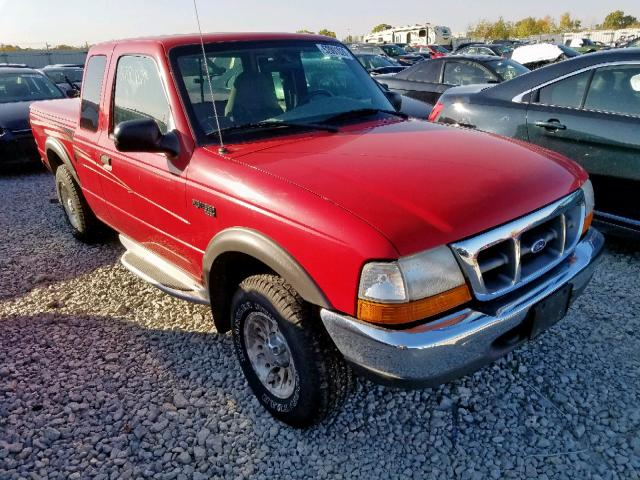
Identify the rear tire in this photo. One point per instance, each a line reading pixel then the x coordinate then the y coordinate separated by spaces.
pixel 288 359
pixel 85 225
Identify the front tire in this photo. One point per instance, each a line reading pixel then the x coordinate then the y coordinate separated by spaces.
pixel 289 361
pixel 83 222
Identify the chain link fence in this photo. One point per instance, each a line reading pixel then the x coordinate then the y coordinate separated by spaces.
pixel 41 58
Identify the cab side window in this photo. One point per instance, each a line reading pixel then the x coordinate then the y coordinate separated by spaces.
pixel 91 90
pixel 565 93
pixel 615 89
pixel 139 92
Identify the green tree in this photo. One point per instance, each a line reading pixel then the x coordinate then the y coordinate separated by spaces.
pixel 327 33
pixel 617 19
pixel 306 31
pixel 9 48
pixel 568 24
pixel 381 27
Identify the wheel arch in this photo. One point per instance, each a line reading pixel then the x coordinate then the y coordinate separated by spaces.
pixel 57 155
pixel 236 253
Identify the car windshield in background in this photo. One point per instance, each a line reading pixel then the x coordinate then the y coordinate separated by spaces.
pixel 504 49
pixel 508 69
pixel 74 75
pixel 372 62
pixel 26 87
pixel 262 84
pixel 394 50
pixel 440 49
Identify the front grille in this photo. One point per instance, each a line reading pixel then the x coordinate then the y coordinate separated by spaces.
pixel 503 259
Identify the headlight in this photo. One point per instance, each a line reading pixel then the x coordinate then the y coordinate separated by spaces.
pixel 589 203
pixel 412 288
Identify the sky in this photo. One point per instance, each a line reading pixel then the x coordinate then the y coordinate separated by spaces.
pixel 32 23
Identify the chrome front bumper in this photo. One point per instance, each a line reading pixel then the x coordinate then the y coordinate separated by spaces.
pixel 460 343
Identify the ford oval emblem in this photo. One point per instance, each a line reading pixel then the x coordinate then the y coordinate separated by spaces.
pixel 538 245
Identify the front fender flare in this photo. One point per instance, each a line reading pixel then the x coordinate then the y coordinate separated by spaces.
pixel 267 251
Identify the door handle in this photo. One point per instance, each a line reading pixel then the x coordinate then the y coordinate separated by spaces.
pixel 106 161
pixel 551 125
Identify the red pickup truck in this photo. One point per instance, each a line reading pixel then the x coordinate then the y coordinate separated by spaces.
pixel 269 176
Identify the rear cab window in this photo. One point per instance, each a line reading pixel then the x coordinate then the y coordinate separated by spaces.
pixel 91 92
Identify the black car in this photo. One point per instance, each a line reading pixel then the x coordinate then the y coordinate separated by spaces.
pixel 426 81
pixel 587 108
pixel 377 64
pixel 18 88
pixel 67 77
pixel 400 54
pixel 489 49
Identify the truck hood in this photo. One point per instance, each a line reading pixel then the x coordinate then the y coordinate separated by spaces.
pixel 15 115
pixel 421 185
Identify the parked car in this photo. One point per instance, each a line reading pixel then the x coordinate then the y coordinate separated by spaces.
pixel 584 45
pixel 541 54
pixel 323 228
pixel 489 49
pixel 633 43
pixel 67 77
pixel 400 55
pixel 587 108
pixel 366 48
pixel 434 51
pixel 19 86
pixel 426 81
pixel 377 64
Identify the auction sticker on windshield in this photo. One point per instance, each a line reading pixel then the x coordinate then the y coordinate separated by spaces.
pixel 334 51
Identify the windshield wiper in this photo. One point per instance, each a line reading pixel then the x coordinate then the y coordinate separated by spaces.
pixel 274 124
pixel 362 112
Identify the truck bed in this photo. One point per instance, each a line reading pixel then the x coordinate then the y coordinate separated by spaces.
pixel 64 113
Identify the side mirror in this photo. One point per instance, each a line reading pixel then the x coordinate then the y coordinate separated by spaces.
pixel 73 93
pixel 145 136
pixel 395 99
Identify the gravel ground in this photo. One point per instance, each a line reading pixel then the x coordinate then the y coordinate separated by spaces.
pixel 102 376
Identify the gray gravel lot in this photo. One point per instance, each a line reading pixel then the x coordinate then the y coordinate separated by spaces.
pixel 102 376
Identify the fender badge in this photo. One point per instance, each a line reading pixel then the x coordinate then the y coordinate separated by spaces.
pixel 209 210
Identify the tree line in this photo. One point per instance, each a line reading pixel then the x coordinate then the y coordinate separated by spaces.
pixel 531 26
pixel 16 48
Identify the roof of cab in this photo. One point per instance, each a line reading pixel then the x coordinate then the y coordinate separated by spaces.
pixel 170 41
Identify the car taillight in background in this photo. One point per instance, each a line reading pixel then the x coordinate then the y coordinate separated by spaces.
pixel 435 113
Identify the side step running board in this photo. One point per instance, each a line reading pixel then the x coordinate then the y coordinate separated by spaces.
pixel 160 273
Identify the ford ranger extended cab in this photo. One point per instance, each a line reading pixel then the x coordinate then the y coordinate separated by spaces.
pixel 269 176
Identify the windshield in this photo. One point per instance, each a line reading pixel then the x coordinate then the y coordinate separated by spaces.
pixel 300 82
pixel 504 49
pixel 26 87
pixel 508 69
pixel 439 49
pixel 372 62
pixel 394 50
pixel 58 76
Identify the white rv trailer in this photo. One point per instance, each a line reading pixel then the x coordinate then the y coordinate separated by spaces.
pixel 425 34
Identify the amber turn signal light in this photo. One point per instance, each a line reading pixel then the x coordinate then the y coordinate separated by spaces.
pixel 398 313
pixel 587 222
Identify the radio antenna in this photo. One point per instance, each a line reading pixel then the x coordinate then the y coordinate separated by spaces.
pixel 222 149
